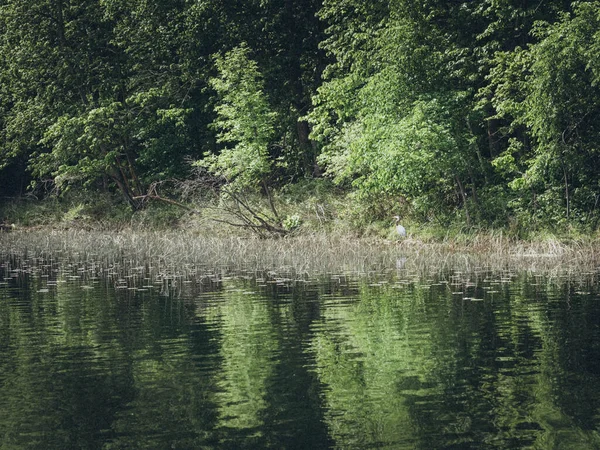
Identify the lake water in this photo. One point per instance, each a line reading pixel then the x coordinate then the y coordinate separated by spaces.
pixel 94 358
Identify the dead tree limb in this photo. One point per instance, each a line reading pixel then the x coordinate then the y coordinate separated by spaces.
pixel 241 210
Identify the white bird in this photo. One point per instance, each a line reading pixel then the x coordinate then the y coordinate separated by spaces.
pixel 399 228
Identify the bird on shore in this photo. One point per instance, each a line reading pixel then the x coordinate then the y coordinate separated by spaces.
pixel 400 230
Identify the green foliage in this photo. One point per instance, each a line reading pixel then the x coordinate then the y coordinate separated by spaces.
pixel 390 122
pixel 245 121
pixel 87 99
pixel 157 216
pixel 316 202
pixel 477 112
pixel 551 89
pixel 484 113
pixel 75 213
pixel 28 212
pixel 292 222
pixel 406 157
pixel 76 208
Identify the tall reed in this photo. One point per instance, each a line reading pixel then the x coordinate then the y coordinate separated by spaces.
pixel 186 252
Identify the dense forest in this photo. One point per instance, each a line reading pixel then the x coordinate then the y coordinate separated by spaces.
pixel 484 112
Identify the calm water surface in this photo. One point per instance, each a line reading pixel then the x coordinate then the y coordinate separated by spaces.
pixel 94 358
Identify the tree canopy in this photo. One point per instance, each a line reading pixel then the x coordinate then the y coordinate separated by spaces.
pixel 486 112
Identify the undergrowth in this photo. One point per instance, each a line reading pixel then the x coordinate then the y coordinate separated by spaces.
pixel 303 209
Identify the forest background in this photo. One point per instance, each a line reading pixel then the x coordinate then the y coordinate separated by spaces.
pixel 277 115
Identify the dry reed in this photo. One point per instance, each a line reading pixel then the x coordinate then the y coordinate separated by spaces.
pixel 187 254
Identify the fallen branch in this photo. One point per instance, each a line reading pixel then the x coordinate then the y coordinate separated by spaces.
pixel 248 216
pixel 166 200
pixel 262 220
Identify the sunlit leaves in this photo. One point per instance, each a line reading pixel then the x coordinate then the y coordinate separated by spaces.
pixel 245 121
pixel 550 91
pixel 391 115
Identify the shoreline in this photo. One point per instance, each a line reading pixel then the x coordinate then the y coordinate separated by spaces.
pixel 317 253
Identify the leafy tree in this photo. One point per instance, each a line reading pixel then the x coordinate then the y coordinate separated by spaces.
pixel 101 91
pixel 245 122
pixel 284 37
pixel 551 90
pixel 391 117
pixel 115 93
pixel 46 67
pixel 464 98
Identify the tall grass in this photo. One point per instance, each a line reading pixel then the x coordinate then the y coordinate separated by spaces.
pixel 188 255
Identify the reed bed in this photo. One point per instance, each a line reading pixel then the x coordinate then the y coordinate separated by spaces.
pixel 187 255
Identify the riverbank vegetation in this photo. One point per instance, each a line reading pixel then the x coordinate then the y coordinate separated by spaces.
pixel 278 118
pixel 184 255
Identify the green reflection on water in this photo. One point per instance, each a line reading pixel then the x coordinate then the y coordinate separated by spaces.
pixel 248 348
pixel 412 365
pixel 477 361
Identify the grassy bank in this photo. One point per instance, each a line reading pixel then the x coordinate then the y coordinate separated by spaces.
pixel 333 234
pixel 304 210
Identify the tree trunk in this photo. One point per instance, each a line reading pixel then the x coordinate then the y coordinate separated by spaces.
pixel 120 179
pixel 463 195
pixel 492 131
pixel 567 196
